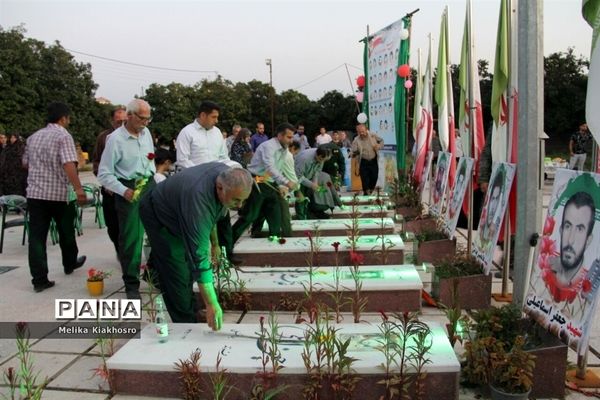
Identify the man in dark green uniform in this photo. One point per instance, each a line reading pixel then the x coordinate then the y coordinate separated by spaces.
pixel 180 215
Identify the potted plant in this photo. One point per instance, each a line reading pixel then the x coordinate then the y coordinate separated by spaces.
pixel 405 197
pixel 95 281
pixel 434 246
pixel 512 373
pixel 459 281
pixel 505 324
pixel 506 367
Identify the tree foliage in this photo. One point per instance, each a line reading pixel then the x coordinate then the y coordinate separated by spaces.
pixel 34 75
pixel 565 86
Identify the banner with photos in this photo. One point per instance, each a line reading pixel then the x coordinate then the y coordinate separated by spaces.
pixel 492 214
pixel 382 61
pixel 562 294
pixel 456 195
pixel 438 189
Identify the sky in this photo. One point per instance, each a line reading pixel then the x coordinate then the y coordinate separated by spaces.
pixel 314 45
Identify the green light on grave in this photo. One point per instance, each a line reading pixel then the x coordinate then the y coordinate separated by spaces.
pixel 365 275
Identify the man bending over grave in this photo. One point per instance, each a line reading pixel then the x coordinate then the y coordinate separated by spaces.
pixel 179 216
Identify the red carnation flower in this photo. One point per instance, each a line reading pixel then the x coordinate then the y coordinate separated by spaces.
pixel 586 286
pixel 308 234
pixel 356 258
pixel 151 156
pixel 261 320
pixel 336 246
pixel 282 240
pixel 91 272
pixel 329 184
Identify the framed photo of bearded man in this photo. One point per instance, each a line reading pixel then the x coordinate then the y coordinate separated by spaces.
pixel 564 281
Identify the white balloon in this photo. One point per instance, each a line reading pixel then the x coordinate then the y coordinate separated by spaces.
pixel 361 118
pixel 404 34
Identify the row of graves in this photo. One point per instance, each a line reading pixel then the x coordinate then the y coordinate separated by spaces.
pixel 358 285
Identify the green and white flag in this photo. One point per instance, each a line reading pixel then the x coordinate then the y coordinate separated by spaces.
pixel 591 12
pixel 441 83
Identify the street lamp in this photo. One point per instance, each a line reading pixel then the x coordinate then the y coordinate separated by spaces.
pixel 270 64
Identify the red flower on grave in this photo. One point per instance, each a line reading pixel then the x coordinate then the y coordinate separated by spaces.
pixel 356 258
pixel 151 156
pixel 91 273
pixel 329 184
pixel 281 240
pixel 308 234
pixel 261 320
pixel 336 246
pixel 549 226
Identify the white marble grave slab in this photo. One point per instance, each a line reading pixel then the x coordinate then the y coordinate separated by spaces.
pixel 248 245
pixel 374 278
pixel 238 347
pixel 362 209
pixel 337 224
pixel 348 199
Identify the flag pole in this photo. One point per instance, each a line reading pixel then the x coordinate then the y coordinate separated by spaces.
pixel 352 88
pixel 472 127
pixel 505 296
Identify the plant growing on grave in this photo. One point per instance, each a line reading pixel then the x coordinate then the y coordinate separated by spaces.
pixel 151 277
pixel 219 381
pixel 23 383
pixel 231 290
pixel 457 323
pixel 312 259
pixel 419 359
pixel 386 243
pixel 330 374
pixel 358 302
pixel 338 295
pixel 189 376
pixel 269 338
pixel 403 342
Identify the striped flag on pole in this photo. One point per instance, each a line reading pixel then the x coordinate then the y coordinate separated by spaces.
pixel 591 12
pixel 470 97
pixel 444 98
pixel 424 129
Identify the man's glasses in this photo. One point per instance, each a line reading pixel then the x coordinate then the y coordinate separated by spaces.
pixel 143 119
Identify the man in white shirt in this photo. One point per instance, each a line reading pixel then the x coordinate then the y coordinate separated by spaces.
pixel 323 137
pixel 201 141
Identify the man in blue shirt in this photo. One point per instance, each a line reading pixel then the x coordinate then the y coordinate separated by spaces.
pixel 126 166
pixel 259 137
pixel 267 166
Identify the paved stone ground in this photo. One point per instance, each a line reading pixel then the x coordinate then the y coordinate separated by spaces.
pixel 69 364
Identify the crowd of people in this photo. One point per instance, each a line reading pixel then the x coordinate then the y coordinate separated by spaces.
pixel 178 192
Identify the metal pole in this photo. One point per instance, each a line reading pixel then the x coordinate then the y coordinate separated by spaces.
pixel 472 128
pixel 352 88
pixel 531 123
pixel 270 64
